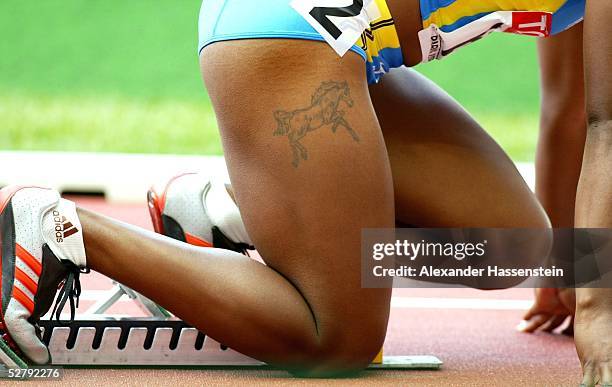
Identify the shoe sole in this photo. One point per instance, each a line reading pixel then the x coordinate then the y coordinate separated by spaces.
pixel 165 225
pixel 156 204
pixel 155 211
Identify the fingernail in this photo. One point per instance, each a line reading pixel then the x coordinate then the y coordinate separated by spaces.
pixel 521 326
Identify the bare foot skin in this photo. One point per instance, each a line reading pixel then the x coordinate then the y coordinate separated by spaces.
pixel 594 335
pixel 593 327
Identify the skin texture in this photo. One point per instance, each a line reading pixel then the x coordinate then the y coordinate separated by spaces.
pixel 306 310
pixel 550 309
pixel 562 124
pixel 408 23
pixel 594 200
pixel 560 148
pixel 482 187
pixel 448 172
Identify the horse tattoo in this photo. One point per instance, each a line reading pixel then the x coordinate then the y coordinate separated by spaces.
pixel 323 110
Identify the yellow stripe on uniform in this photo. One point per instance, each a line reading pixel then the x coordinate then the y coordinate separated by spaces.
pixel 461 8
pixel 384 36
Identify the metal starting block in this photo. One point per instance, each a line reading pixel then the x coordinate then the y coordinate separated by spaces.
pixel 118 291
pixel 136 342
pixel 160 340
pixel 150 342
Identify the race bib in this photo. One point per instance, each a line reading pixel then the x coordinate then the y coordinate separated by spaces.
pixel 340 22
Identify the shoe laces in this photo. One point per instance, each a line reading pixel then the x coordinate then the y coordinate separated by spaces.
pixel 221 241
pixel 244 249
pixel 70 291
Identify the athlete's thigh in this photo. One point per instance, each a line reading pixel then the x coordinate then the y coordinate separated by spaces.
pixel 447 171
pixel 309 168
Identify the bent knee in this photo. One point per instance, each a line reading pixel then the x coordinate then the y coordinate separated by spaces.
pixel 527 213
pixel 537 219
pixel 338 360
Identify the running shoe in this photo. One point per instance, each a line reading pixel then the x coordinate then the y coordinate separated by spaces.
pixel 197 210
pixel 41 251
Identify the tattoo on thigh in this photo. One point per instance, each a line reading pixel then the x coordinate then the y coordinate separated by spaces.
pixel 324 110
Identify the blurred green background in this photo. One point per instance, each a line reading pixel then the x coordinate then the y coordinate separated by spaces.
pixel 122 76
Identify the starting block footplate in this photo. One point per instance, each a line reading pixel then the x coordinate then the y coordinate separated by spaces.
pixel 147 342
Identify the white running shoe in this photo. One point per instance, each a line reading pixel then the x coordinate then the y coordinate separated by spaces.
pixel 196 210
pixel 41 250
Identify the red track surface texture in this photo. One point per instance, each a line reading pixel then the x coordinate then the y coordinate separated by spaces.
pixel 479 347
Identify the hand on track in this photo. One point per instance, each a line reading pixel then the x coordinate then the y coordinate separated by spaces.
pixel 551 307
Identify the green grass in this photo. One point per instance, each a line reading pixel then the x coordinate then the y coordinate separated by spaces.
pixel 122 76
pixel 183 127
pixel 497 74
pixel 143 49
pixel 108 124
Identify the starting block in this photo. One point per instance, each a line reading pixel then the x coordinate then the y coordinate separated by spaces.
pixel 171 343
pixel 160 340
pixel 136 342
pixel 147 306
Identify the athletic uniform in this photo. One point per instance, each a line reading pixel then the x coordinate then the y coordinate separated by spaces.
pixel 367 25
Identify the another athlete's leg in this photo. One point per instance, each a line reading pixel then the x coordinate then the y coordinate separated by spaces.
pixel 305 193
pixel 559 159
pixel 562 125
pixel 447 171
pixel 594 198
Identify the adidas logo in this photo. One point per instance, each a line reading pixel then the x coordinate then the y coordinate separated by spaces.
pixel 63 228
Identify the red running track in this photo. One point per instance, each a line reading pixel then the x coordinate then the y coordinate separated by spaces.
pixel 475 339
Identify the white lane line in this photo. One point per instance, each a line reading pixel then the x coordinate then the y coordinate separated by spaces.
pixel 458 303
pixel 121 177
pixel 396 302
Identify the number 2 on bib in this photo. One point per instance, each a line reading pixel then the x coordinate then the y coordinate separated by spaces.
pixel 340 22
